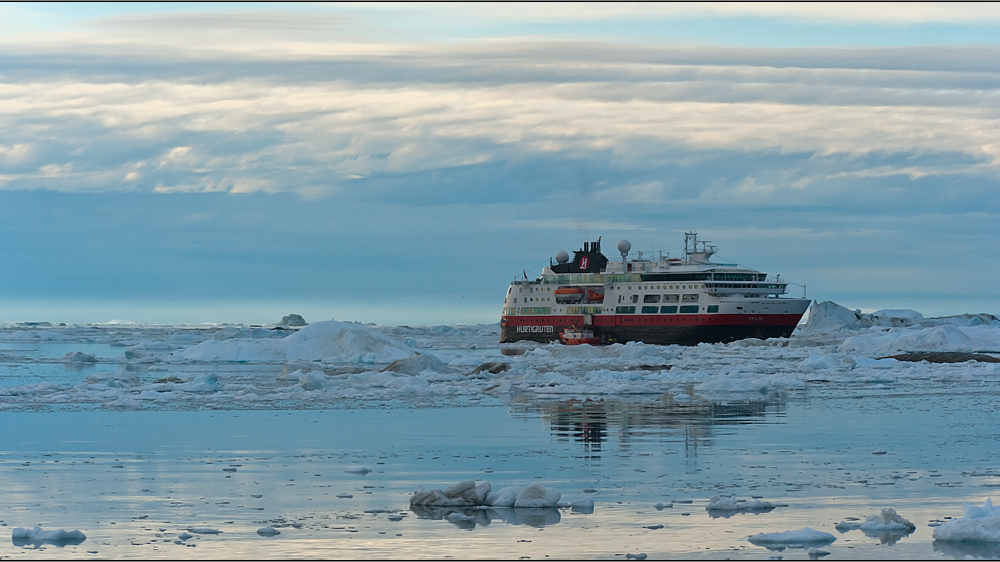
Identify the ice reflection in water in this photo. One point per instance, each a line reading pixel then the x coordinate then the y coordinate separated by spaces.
pixel 468 518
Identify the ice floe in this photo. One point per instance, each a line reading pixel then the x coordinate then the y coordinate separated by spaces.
pixel 329 341
pixel 732 503
pixel 978 523
pixel 803 536
pixel 22 536
pixel 887 526
pixel 472 493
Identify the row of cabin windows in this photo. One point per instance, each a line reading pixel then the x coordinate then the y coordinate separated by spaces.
pixel 656 298
pixel 689 309
pixel 658 287
pixel 535 299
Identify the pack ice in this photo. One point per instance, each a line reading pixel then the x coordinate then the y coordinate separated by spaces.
pixel 328 363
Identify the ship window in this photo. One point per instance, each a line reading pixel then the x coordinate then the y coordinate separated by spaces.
pixel 671 298
pixel 689 309
pixel 651 298
pixel 515 299
pixel 635 298
pixel 668 309
pixel 649 309
pixel 713 308
pixel 690 298
pixel 624 310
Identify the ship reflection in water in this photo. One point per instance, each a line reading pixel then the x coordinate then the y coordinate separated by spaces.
pixel 588 421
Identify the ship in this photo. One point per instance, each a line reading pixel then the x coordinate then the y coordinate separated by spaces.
pixel 656 300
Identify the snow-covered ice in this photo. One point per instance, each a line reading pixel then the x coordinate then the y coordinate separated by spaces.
pixel 885 521
pixel 801 536
pixel 470 493
pixel 978 523
pixel 732 503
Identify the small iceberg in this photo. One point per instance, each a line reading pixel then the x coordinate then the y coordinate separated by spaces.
pixel 21 536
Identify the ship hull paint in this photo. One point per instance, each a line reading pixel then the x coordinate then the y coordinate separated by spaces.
pixel 654 329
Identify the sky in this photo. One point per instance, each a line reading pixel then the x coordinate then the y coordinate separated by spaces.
pixel 401 164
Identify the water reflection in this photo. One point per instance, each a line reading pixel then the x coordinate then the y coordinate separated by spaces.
pixel 469 518
pixel 591 421
pixel 727 513
pixel 887 538
pixel 967 550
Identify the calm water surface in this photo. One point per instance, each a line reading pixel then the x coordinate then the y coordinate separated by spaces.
pixel 134 481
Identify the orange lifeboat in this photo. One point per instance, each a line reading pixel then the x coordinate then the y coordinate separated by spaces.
pixel 595 296
pixel 568 294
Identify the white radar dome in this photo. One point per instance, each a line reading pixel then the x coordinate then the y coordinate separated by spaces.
pixel 624 246
pixel 562 256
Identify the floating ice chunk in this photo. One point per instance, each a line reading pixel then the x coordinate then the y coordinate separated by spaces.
pixel 204 531
pixel 879 452
pixel 731 503
pixel 887 363
pixel 208 382
pixel 973 511
pixel 887 520
pixel 978 523
pixel 640 556
pixel 418 364
pixel 682 397
pixel 845 526
pixel 828 315
pixel 185 536
pixel 660 506
pixel 292 321
pixel 79 357
pixel 537 495
pixel 456 517
pixel 817 552
pixel 467 493
pixel 329 341
pixel 345 496
pixel 342 341
pixel 268 532
pixel 358 470
pixel 313 380
pixel 804 535
pixel 20 535
pixel 819 362
pixel 504 497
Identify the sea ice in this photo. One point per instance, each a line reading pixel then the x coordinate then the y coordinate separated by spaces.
pixel 804 535
pixel 417 364
pixel 268 532
pixel 79 357
pixel 885 521
pixel 358 470
pixel 731 503
pixel 329 341
pixel 978 523
pixel 20 535
pixel 537 495
pixel 467 493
